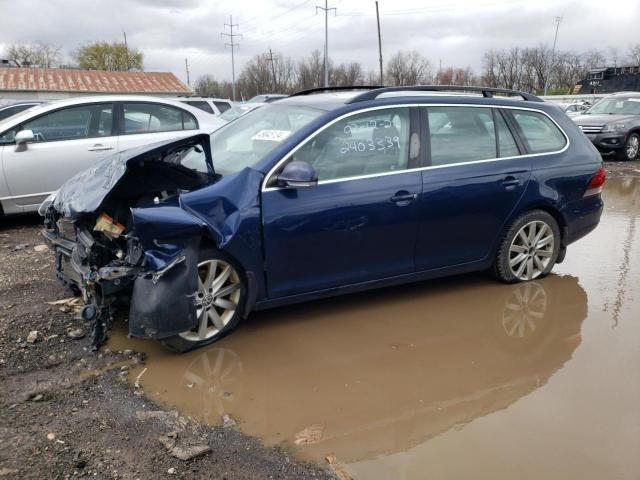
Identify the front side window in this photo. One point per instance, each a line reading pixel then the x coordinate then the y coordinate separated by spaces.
pixel 153 117
pixel 86 121
pixel 461 134
pixel 250 138
pixel 362 144
pixel 539 132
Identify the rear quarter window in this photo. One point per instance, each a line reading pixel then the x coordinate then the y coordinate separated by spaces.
pixel 539 132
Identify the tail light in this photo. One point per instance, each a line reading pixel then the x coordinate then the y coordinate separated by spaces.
pixel 596 183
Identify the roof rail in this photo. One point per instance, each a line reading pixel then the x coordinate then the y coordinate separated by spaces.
pixel 335 89
pixel 486 92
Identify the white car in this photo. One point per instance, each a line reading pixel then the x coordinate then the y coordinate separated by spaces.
pixel 215 106
pixel 44 146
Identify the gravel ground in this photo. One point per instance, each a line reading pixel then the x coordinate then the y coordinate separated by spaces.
pixel 67 412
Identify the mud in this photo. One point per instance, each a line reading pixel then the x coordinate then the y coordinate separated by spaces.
pixel 455 378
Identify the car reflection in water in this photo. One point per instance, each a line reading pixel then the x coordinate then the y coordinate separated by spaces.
pixel 381 371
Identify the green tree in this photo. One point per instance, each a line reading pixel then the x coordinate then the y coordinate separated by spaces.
pixel 109 56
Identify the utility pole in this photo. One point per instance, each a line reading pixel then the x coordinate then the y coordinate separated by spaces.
pixel 379 44
pixel 269 56
pixel 126 51
pixel 326 38
pixel 186 66
pixel 232 44
pixel 553 52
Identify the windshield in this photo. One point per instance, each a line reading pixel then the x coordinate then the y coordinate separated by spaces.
pixel 236 112
pixel 616 106
pixel 248 139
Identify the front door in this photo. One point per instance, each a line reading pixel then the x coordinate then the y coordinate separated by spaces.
pixel 475 181
pixel 67 141
pixel 359 223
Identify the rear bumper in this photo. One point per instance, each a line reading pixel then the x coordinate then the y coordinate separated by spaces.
pixel 583 217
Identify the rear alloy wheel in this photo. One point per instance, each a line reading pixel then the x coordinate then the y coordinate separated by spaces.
pixel 219 301
pixel 529 249
pixel 631 148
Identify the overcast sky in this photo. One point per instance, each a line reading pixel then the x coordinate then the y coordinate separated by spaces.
pixel 456 32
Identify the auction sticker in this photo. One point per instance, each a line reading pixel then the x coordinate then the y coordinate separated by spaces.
pixel 271 135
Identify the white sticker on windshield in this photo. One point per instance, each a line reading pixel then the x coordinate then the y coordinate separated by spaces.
pixel 271 135
pixel 633 99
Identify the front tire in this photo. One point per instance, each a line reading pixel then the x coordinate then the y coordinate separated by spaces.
pixel 631 148
pixel 220 300
pixel 529 248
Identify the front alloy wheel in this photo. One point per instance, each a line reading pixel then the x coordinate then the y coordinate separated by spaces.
pixel 218 303
pixel 631 147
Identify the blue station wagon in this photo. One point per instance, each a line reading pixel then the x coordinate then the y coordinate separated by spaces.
pixel 328 191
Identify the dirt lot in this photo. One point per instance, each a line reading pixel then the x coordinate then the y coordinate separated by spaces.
pixel 69 412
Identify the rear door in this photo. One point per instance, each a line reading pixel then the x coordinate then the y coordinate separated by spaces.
pixel 475 178
pixel 359 223
pixel 143 123
pixel 67 141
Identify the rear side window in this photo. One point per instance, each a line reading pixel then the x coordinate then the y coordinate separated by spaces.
pixel 153 117
pixel 461 134
pixel 539 132
pixel 201 104
pixel 222 106
pixel 506 144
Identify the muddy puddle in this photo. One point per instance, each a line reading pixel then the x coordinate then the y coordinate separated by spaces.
pixel 454 378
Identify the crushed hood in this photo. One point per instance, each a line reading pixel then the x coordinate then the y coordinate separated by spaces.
pixel 87 191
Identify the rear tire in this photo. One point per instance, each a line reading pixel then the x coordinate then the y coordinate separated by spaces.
pixel 222 291
pixel 529 248
pixel 631 148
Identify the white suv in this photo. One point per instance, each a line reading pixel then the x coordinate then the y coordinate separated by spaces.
pixel 215 106
pixel 44 146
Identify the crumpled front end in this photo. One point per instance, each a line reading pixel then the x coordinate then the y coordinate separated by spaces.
pixel 137 251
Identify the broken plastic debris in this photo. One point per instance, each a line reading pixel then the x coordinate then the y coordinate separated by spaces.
pixel 185 451
pixel 311 434
pixel 108 226
pixel 228 421
pixel 337 468
pixel 72 304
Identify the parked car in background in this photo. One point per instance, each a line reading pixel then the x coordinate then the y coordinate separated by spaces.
pixel 9 109
pixel 613 125
pixel 322 194
pixel 267 98
pixel 573 109
pixel 46 145
pixel 239 110
pixel 215 106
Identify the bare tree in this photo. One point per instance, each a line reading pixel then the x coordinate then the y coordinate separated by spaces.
pixel 33 54
pixel 456 76
pixel 593 59
pixel 614 55
pixel 409 68
pixel 346 75
pixel 311 71
pixel 634 55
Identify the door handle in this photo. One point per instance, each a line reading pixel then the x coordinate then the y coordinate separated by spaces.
pixel 98 147
pixel 511 183
pixel 404 197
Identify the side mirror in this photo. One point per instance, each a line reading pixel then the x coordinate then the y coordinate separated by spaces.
pixel 22 138
pixel 297 174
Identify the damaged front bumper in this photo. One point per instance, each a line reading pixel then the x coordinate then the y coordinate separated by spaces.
pixel 157 286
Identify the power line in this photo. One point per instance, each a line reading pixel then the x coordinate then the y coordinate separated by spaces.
pixel 269 56
pixel 553 51
pixel 326 38
pixel 379 44
pixel 232 44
